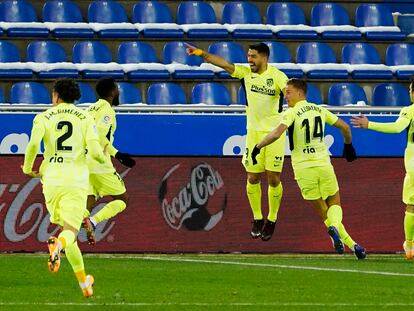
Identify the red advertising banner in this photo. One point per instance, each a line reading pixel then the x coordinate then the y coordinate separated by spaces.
pixel 199 205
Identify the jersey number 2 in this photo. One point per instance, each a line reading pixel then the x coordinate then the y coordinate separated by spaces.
pixel 64 136
pixel 317 130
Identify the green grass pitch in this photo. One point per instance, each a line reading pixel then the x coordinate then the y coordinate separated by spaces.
pixel 211 282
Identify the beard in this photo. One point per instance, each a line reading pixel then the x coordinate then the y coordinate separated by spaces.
pixel 115 101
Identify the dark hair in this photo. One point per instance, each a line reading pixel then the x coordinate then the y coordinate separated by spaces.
pixel 105 86
pixel 412 84
pixel 67 89
pixel 261 48
pixel 298 84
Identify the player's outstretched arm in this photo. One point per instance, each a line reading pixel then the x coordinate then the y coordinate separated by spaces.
pixel 398 126
pixel 211 58
pixel 270 138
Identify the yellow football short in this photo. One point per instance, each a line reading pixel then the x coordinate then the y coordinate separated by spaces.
pixel 101 185
pixel 65 204
pixel 317 182
pixel 270 157
pixel 408 189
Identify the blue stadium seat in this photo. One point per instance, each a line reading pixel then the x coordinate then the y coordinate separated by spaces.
pixel 330 14
pixel 342 94
pixel 166 94
pixel 176 52
pixel 241 96
pixel 369 15
pixel 210 93
pixel 400 54
pixel 364 53
pixel 140 52
pixel 87 94
pixel 318 53
pixel 197 12
pixel 94 52
pixel 231 51
pixel 128 93
pixel 389 94
pixel 65 11
pixel 110 12
pixel 289 14
pixel 155 12
pixel 10 53
pixel 279 53
pixel 136 52
pixel 29 93
pixel 244 12
pixel 49 52
pixel 2 98
pixel 313 95
pixel 20 11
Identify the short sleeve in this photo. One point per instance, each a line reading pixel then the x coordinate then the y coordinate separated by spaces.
pixel 288 117
pixel 240 71
pixel 281 79
pixel 330 117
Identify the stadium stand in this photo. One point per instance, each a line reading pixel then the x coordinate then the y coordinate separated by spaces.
pixel 390 94
pixel 111 12
pixel 87 93
pixel 65 12
pixel 343 94
pixel 210 93
pixel 166 94
pixel 49 52
pixel 29 93
pixel 135 42
pixel 128 93
pixel 288 14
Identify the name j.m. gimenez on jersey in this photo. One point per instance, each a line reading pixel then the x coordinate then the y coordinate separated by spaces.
pixel 75 112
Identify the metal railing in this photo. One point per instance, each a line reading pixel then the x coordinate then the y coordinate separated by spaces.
pixel 217 109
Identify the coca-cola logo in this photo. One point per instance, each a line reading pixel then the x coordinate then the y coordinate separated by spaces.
pixel 197 204
pixel 22 221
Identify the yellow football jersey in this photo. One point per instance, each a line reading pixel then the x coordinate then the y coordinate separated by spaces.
pixel 263 109
pixel 66 131
pixel 105 119
pixel 306 123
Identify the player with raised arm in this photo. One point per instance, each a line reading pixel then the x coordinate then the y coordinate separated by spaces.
pixel 311 163
pixel 263 85
pixel 104 179
pixel 66 132
pixel 404 122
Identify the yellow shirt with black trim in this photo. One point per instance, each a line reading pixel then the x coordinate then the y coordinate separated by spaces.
pixel 66 131
pixel 105 119
pixel 263 110
pixel 306 126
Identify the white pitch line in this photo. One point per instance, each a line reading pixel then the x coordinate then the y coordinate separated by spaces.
pixel 252 264
pixel 209 304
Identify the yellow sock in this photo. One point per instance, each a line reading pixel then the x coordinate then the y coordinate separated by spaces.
pixel 81 276
pixel 74 256
pixel 254 194
pixel 274 195
pixel 345 237
pixel 109 210
pixel 66 238
pixel 334 215
pixel 409 228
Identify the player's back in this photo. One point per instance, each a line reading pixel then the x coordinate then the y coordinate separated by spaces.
pixel 306 134
pixel 65 129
